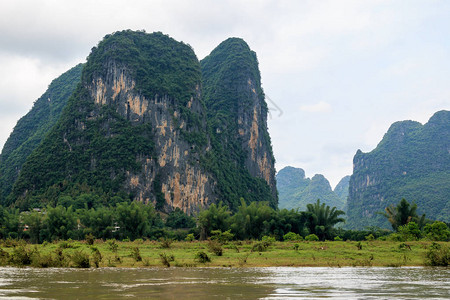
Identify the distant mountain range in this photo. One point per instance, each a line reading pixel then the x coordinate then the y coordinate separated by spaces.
pixel 296 191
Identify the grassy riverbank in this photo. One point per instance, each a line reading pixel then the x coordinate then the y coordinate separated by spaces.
pixel 234 254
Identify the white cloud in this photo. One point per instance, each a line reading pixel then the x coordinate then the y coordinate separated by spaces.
pixel 319 107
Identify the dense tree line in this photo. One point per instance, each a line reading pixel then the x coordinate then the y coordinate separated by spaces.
pixel 86 216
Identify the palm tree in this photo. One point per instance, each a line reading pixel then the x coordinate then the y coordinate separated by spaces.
pixel 402 214
pixel 323 218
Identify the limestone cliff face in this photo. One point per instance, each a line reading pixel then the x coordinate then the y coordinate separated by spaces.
pixel 252 128
pixel 149 123
pixel 412 162
pixel 174 162
pixel 238 112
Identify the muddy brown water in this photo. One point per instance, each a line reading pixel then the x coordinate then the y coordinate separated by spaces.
pixel 226 283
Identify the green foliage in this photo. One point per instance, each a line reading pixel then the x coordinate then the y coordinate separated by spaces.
pixel 80 259
pixel 178 219
pixel 311 237
pixel 437 231
pixel 31 129
pixel 369 237
pixel 438 255
pixel 136 254
pixel 136 219
pixel 215 247
pixel 296 191
pixel 226 73
pixel 202 257
pixel 260 246
pixel 21 256
pixel 190 237
pixel 268 239
pixel 409 231
pixel 222 237
pixel 291 236
pixel 411 162
pixel 337 239
pixel 214 218
pixel 402 214
pixel 249 220
pixel 90 239
pixel 96 256
pixel 323 218
pixel 165 243
pixel 166 259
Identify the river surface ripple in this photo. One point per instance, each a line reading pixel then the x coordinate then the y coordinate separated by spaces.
pixel 226 283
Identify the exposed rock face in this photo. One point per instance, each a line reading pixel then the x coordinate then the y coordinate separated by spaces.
pixel 137 126
pixel 183 183
pixel 237 113
pixel 412 162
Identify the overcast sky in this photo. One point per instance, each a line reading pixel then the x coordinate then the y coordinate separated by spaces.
pixel 337 73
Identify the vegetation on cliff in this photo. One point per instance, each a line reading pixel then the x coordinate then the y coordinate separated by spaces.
pixel 296 191
pixel 96 147
pixel 412 162
pixel 32 128
pixel 228 96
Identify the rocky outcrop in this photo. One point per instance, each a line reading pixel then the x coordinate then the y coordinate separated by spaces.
pixel 174 161
pixel 237 114
pixel 412 162
pixel 138 127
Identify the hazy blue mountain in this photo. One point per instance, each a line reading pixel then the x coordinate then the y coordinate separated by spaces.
pixel 296 191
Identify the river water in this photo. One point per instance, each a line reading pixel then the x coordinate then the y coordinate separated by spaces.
pixel 226 283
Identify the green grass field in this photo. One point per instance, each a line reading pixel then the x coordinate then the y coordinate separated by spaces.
pixel 234 254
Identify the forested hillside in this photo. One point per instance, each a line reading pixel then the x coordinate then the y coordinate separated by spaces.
pixel 413 162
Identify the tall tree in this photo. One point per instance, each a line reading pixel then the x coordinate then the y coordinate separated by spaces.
pixel 323 218
pixel 402 214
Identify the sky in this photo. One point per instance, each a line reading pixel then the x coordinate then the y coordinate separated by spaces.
pixel 336 74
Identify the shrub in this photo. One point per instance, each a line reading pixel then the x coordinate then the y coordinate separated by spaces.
pixel 215 247
pixel 260 247
pixel 112 245
pixel 190 237
pixel 90 239
pixel 165 243
pixel 21 256
pixel 202 257
pixel 437 231
pixel 96 256
pixel 136 254
pixel 222 237
pixel 337 239
pixel 291 236
pixel 369 237
pixel 359 246
pixel 311 238
pixel 166 259
pixel 268 239
pixel 4 257
pixel 80 259
pixel 438 255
